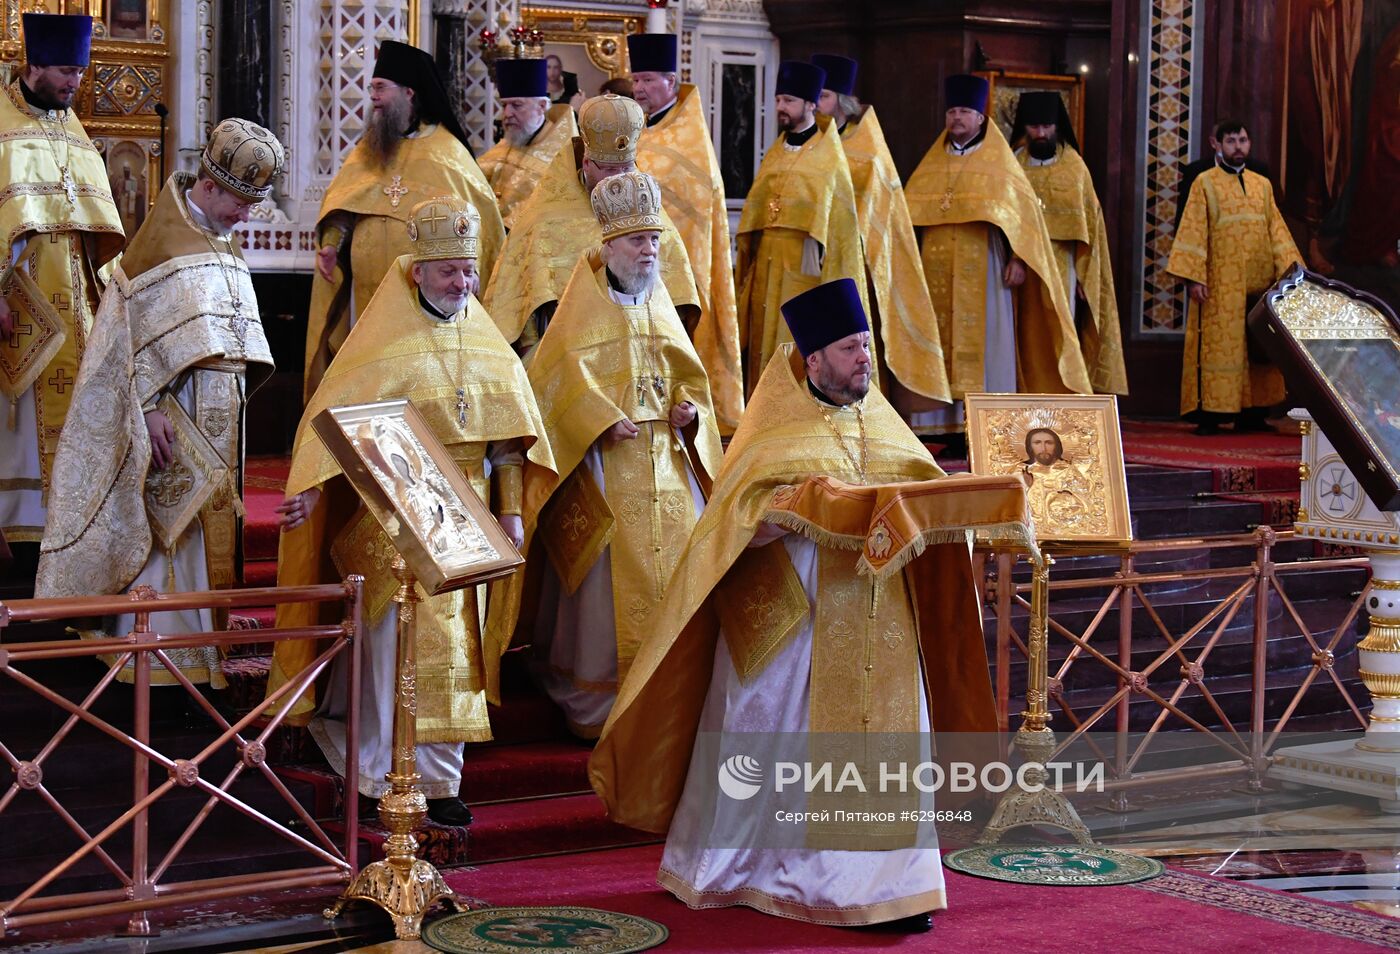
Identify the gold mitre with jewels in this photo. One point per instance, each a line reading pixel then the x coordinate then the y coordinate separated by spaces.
pixel 444 227
pixel 626 203
pixel 244 158
pixel 611 126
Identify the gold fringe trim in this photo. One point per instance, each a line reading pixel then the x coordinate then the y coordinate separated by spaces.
pixel 1013 532
pixel 819 535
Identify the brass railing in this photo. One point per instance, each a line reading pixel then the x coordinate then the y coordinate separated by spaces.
pixel 1126 590
pixel 141 888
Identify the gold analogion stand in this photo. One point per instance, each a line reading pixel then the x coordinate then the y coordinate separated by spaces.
pixel 444 538
pixel 403 884
pixel 1038 804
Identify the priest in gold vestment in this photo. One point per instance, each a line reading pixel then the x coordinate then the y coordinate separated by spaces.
pixel 423 337
pixel 907 340
pixel 676 148
pixel 61 231
pixel 777 627
pixel 1003 318
pixel 627 407
pixel 413 149
pixel 533 133
pixel 557 225
pixel 147 486
pixel 1050 158
pixel 1231 246
pixel 799 226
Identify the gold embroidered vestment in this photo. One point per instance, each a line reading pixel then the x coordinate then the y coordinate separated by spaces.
pixel 470 387
pixel 1074 219
pixel 956 200
pixel 1233 240
pixel 425 166
pixel 796 195
pixel 600 362
pixel 514 171
pixel 168 315
pixel 679 153
pixel 57 280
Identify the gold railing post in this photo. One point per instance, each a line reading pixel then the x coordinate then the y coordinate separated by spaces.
pixel 403 884
pixel 139 924
pixel 1038 803
pixel 1123 715
pixel 1264 563
pixel 1005 590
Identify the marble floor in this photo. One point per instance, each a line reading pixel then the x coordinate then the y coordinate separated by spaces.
pixel 1324 844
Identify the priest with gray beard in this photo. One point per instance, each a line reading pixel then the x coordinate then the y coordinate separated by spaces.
pixel 413 150
pixel 627 412
pixel 532 133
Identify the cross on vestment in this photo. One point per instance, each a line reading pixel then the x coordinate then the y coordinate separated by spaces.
pixel 61 380
pixel 24 330
pixel 576 522
pixel 395 191
pixel 59 300
pixel 433 220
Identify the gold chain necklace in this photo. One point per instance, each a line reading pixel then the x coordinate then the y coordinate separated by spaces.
pixel 658 384
pixel 947 202
pixel 237 323
pixel 70 188
pixel 859 465
pixel 463 405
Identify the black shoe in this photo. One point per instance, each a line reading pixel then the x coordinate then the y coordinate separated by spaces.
pixel 913 924
pixel 452 812
pixel 1254 425
pixel 1208 429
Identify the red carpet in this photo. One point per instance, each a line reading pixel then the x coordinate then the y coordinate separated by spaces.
pixel 1178 912
pixel 1259 468
pixel 263 481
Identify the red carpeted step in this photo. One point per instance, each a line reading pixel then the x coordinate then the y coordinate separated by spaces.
pixel 260 573
pixel 493 773
pixel 547 826
pixel 327 788
pixel 1260 469
pixel 264 480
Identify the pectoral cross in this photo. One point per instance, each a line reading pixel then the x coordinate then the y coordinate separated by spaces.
pixel 775 209
pixel 947 202
pixel 20 331
pixel 70 188
pixel 462 406
pixel 395 191
pixel 238 325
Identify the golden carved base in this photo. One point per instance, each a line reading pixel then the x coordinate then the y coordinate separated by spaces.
pixel 1038 805
pixel 405 894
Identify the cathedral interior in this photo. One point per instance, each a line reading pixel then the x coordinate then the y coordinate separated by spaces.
pixel 1133 337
